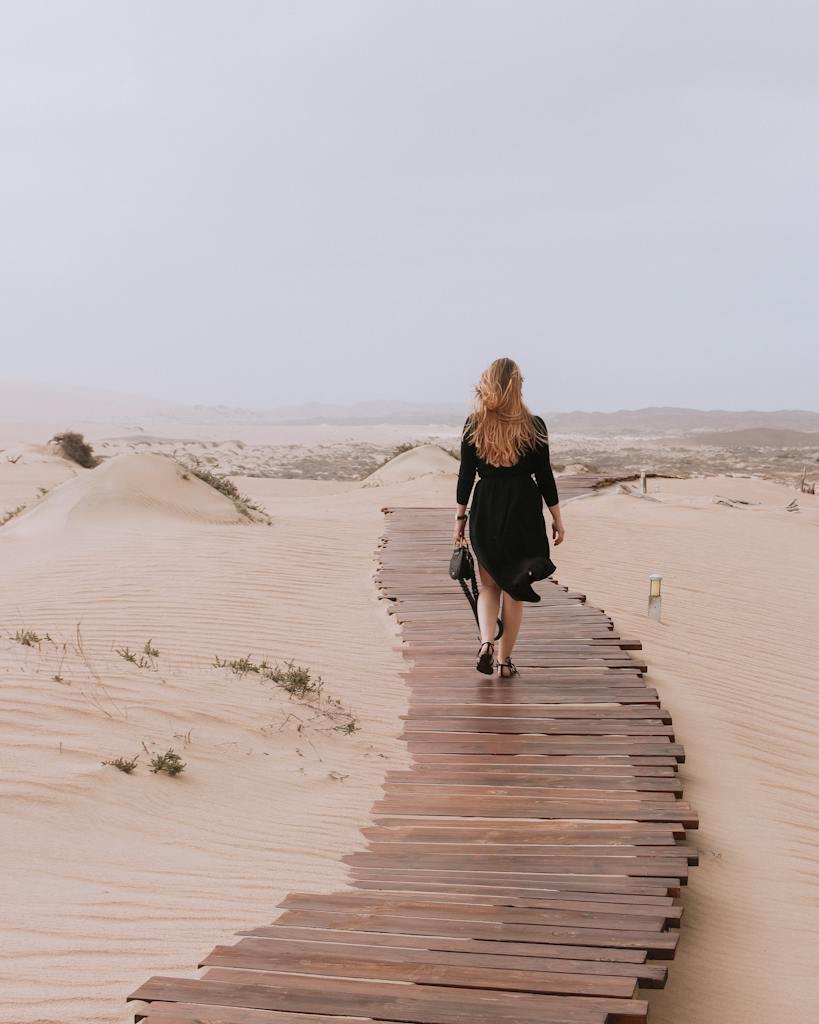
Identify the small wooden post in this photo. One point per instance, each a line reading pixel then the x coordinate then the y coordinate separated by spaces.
pixel 643 481
pixel 655 598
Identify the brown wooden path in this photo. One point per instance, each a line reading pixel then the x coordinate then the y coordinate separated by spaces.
pixel 525 869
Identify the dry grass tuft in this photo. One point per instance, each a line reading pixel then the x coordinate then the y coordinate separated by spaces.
pixel 147 659
pixel 299 683
pixel 28 638
pixel 124 764
pixel 248 508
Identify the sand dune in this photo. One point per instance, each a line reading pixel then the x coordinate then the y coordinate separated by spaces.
pixel 129 488
pixel 424 460
pixel 108 878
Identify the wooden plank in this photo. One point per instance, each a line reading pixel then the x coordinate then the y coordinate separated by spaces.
pixel 649 975
pixel 416 1004
pixel 523 807
pixel 506 827
pixel 658 944
pixel 379 966
pixel 422 711
pixel 505 947
pixel 535 833
pixel 567 882
pixel 419 907
pixel 510 896
pixel 202 1013
pixel 561 901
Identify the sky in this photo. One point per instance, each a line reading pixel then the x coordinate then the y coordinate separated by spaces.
pixel 260 203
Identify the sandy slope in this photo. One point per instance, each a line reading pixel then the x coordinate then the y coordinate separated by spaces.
pixel 736 662
pixel 108 878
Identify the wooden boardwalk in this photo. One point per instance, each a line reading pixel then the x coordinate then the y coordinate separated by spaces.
pixel 524 869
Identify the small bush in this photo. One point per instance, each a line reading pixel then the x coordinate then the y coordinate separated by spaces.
pixel 169 762
pixel 296 680
pixel 149 650
pixel 75 448
pixel 124 764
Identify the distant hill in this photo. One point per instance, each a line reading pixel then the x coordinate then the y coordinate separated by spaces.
pixel 758 437
pixel 676 421
pixel 68 406
pixel 650 421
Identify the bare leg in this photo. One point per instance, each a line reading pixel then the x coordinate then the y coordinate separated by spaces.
pixel 488 606
pixel 512 618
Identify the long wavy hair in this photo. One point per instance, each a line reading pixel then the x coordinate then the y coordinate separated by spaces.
pixel 501 426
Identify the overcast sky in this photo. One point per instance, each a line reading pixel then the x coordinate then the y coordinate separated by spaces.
pixel 260 202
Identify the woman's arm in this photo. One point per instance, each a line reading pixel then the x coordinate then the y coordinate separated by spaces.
pixel 466 479
pixel 548 488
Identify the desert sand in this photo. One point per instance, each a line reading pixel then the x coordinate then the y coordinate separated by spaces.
pixel 109 877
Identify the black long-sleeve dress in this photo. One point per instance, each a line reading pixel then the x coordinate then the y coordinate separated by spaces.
pixel 507 529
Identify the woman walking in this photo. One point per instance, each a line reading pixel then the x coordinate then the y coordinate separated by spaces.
pixel 508 447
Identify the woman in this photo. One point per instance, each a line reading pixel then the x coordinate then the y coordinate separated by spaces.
pixel 508 447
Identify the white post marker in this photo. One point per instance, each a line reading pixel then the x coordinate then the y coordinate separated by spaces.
pixel 655 597
pixel 643 482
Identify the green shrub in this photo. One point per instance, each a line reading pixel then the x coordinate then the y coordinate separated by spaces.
pixel 169 762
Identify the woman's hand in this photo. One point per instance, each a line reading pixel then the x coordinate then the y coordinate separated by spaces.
pixel 458 533
pixel 558 531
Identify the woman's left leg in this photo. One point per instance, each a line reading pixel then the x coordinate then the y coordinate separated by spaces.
pixel 512 616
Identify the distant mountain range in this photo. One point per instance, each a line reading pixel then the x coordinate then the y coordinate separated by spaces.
pixel 24 401
pixel 649 421
pixel 676 421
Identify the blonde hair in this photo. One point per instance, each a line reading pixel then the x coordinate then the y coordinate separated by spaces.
pixel 501 426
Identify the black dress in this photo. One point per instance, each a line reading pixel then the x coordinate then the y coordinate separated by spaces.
pixel 506 524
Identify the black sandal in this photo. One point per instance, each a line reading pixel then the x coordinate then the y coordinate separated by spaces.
pixel 509 666
pixel 485 658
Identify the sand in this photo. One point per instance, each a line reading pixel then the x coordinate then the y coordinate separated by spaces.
pixel 108 878
pixel 736 662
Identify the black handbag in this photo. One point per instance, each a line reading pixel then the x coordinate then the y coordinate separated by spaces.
pixel 462 569
pixel 461 564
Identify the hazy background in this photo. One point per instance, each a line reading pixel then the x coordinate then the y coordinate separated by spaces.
pixel 261 203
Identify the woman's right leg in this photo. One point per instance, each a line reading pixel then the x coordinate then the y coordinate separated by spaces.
pixel 488 606
pixel 512 618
